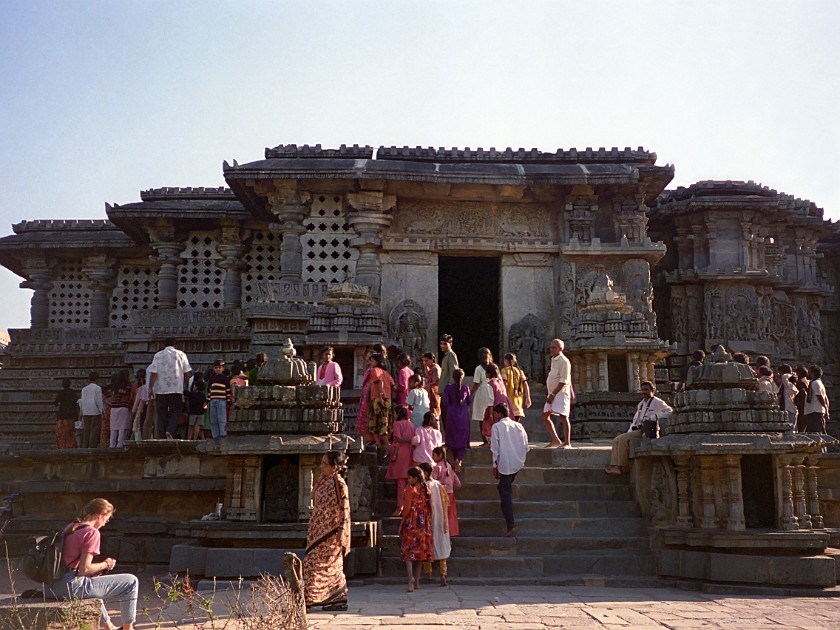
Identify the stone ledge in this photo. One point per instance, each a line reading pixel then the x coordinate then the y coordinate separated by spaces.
pixel 48 615
pixel 751 539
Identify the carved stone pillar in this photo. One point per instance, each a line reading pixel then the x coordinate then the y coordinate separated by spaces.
pixel 40 281
pixel 231 262
pixel 291 208
pixel 736 498
pixel 789 520
pixel 651 372
pixel 633 372
pixel 589 384
pixel 811 477
pixel 244 482
pixel 99 270
pixel 707 487
pixel 369 218
pixel 684 519
pixel 603 373
pixel 800 507
pixel 308 473
pixel 168 255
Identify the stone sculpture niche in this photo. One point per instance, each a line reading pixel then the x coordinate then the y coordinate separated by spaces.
pixel 526 339
pixel 408 327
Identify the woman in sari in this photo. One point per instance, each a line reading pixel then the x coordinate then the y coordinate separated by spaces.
pixel 456 400
pixel 379 413
pixel 431 374
pixel 364 399
pixel 416 542
pixel 516 385
pixel 328 538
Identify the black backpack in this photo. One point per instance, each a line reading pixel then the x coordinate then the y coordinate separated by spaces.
pixel 42 562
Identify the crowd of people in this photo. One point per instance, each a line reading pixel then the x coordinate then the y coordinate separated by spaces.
pixel 166 400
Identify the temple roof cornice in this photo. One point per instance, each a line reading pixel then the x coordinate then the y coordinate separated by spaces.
pixel 602 167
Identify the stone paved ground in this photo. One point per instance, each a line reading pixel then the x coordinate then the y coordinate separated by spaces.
pixel 529 607
pixel 538 607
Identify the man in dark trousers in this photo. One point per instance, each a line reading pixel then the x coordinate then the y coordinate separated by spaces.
pixel 509 445
pixel 170 375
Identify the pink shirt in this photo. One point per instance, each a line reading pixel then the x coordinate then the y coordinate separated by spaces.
pixel 84 540
pixel 402 384
pixel 425 440
pixel 330 374
pixel 443 473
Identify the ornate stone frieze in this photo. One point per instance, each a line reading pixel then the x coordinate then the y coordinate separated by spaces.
pixel 443 219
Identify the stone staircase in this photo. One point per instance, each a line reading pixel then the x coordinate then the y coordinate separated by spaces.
pixel 572 520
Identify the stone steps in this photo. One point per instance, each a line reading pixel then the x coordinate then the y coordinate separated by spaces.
pixel 594 528
pixel 541 526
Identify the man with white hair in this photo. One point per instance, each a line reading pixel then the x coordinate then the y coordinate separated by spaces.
pixel 559 399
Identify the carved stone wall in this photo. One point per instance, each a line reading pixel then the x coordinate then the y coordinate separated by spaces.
pixel 200 279
pixel 136 290
pixel 70 297
pixel 327 255
pixel 262 264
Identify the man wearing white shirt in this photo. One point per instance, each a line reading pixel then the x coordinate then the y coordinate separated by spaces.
pixel 90 408
pixel 509 445
pixel 559 399
pixel 816 403
pixel 169 374
pixel 650 408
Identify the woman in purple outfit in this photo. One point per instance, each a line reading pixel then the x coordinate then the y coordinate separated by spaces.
pixel 456 400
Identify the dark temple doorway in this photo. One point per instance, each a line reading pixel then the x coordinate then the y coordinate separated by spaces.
pixel 468 306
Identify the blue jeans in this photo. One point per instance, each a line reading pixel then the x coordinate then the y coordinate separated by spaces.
pixel 506 496
pixel 218 417
pixel 120 588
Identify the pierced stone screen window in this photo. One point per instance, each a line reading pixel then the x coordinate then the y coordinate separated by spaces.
pixel 200 279
pixel 136 290
pixel 70 298
pixel 327 255
pixel 262 264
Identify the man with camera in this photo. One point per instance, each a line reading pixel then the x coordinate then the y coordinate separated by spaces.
pixel 645 422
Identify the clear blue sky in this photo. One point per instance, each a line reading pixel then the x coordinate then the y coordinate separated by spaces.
pixel 99 100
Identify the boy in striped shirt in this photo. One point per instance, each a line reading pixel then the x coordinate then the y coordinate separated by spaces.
pixel 219 395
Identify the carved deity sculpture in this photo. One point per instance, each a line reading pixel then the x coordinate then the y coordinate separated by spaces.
pixel 408 327
pixel 527 341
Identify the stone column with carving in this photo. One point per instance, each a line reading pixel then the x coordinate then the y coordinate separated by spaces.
pixel 732 464
pixel 231 251
pixel 100 273
pixel 370 216
pixel 40 277
pixel 681 464
pixel 788 519
pixel 603 373
pixel 800 506
pixel 811 478
pixel 291 208
pixel 244 485
pixel 168 256
pixel 707 486
pixel 589 383
pixel 633 372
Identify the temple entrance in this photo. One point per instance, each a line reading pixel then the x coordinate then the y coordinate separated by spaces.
pixel 468 305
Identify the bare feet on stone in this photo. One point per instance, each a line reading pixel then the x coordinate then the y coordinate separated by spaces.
pixel 614 470
pixel 554 445
pixel 511 533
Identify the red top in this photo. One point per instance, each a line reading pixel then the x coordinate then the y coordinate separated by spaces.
pixel 380 384
pixel 84 540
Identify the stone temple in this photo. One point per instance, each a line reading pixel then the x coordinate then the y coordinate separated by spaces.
pixel 351 246
pixel 504 249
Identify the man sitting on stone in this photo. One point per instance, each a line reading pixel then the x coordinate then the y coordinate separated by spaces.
pixel 650 408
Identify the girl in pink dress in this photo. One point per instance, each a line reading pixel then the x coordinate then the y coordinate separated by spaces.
pixel 444 474
pixel 403 374
pixel 426 439
pixel 497 387
pixel 399 460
